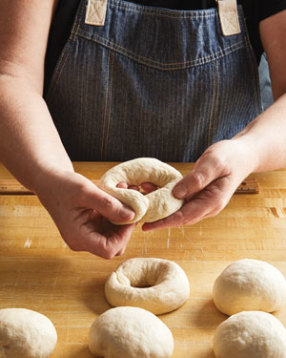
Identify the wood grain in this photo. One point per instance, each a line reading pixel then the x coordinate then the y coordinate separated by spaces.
pixel 10 185
pixel 38 271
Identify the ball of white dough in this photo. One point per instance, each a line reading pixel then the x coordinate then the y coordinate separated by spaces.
pixel 249 285
pixel 153 206
pixel 130 332
pixel 250 334
pixel 157 285
pixel 26 334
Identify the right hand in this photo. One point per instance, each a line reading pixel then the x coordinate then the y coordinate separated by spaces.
pixel 82 212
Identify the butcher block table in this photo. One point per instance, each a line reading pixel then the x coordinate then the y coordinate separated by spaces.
pixel 38 271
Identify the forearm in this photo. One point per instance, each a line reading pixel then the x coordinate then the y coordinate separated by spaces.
pixel 30 146
pixel 266 135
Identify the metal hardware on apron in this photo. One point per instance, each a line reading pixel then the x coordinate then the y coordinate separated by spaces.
pixel 136 80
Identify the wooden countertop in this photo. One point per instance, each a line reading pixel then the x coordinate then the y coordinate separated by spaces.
pixel 38 271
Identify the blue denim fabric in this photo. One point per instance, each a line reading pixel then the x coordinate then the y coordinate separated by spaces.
pixel 152 82
pixel 265 83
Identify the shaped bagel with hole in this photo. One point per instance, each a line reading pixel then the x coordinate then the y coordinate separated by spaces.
pixel 150 207
pixel 157 285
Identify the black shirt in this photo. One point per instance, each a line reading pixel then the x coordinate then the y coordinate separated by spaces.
pixel 254 11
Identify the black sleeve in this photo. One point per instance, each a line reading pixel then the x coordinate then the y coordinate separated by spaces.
pixel 255 11
pixel 59 34
pixel 267 8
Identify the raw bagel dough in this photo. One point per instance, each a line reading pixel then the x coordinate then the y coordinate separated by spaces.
pixel 251 334
pixel 157 285
pixel 26 334
pixel 130 332
pixel 249 285
pixel 153 206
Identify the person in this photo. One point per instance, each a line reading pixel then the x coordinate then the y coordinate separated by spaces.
pixel 172 79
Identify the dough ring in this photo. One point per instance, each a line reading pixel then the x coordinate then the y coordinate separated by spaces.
pixel 153 206
pixel 157 285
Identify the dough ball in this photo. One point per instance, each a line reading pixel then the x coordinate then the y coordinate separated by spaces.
pixel 157 285
pixel 249 285
pixel 26 334
pixel 153 206
pixel 250 334
pixel 130 332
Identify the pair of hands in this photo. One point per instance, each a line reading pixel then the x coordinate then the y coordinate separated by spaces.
pixel 82 211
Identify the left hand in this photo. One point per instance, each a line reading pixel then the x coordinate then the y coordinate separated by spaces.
pixel 84 213
pixel 211 183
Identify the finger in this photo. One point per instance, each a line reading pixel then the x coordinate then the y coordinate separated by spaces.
pixel 206 204
pixel 207 169
pixel 121 251
pixel 148 187
pixel 133 187
pixel 106 205
pixel 122 185
pixel 189 214
pixel 100 244
pixel 111 246
pixel 126 232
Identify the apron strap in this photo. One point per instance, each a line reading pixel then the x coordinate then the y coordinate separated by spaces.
pixel 228 15
pixel 95 12
pixel 227 9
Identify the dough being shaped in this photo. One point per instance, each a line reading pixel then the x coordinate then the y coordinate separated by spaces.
pixel 26 334
pixel 157 285
pixel 249 285
pixel 250 334
pixel 153 206
pixel 130 332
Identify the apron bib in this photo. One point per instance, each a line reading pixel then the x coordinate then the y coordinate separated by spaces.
pixel 152 82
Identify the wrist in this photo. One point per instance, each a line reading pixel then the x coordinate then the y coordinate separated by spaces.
pixel 47 179
pixel 248 154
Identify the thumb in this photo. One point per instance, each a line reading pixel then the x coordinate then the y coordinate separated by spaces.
pixel 107 205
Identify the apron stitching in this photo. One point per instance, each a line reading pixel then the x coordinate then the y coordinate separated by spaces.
pixel 110 107
pixel 249 50
pixel 174 13
pixel 192 63
pixel 63 58
pixel 75 28
pixel 107 119
pixel 212 106
pixel 255 74
pixel 105 110
pixel 83 99
pixel 58 72
pixel 123 129
pixel 162 14
pixel 217 91
pixel 142 126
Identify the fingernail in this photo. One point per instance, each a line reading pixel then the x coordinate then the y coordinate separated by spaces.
pixel 126 213
pixel 180 191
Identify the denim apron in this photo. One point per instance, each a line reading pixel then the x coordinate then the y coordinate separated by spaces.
pixel 152 82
